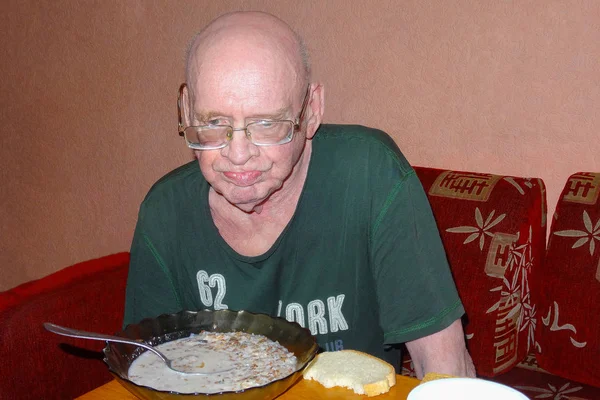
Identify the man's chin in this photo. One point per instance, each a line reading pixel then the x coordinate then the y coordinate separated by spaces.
pixel 247 206
pixel 247 199
pixel 246 203
pixel 250 208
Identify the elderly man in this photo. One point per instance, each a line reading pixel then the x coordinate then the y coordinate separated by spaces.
pixel 324 225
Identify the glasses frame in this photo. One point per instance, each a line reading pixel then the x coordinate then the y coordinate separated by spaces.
pixel 229 137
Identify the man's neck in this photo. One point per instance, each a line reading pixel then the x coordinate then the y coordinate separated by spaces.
pixel 252 232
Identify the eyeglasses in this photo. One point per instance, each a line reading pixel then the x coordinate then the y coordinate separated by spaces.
pixel 265 132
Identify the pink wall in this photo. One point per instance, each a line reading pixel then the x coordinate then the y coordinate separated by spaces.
pixel 88 117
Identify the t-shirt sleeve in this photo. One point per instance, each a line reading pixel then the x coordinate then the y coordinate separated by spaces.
pixel 150 290
pixel 416 292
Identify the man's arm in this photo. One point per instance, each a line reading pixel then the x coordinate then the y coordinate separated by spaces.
pixel 150 291
pixel 443 352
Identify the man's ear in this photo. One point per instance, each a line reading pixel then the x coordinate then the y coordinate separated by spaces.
pixel 183 106
pixel 315 108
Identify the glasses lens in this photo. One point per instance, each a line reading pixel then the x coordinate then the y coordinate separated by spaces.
pixel 206 137
pixel 270 132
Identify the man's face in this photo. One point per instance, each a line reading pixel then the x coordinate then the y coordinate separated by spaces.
pixel 245 174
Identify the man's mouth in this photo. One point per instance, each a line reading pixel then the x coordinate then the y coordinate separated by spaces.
pixel 242 178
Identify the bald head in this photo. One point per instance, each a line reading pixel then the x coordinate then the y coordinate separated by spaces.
pixel 239 39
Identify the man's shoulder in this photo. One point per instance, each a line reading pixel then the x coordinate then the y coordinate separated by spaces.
pixel 360 142
pixel 178 180
pixel 359 132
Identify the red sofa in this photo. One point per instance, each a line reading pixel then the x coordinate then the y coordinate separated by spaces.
pixel 513 287
pixel 532 313
pixel 37 364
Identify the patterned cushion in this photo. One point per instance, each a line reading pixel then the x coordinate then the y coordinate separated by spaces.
pixel 569 285
pixel 493 230
pixel 37 364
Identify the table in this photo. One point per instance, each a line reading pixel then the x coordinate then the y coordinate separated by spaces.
pixel 303 390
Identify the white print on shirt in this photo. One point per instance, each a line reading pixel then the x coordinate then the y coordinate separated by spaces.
pixel 205 283
pixel 317 313
pixel 335 345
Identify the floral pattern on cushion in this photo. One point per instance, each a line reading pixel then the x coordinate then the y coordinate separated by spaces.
pixel 568 285
pixel 493 230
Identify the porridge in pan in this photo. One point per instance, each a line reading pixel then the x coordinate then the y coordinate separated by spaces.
pixel 239 361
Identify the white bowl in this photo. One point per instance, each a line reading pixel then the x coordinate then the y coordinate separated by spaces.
pixel 464 389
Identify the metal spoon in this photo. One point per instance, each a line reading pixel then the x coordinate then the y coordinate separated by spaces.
pixel 61 330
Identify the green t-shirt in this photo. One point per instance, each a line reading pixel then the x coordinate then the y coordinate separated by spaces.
pixel 360 264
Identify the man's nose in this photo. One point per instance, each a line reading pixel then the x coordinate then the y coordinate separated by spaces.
pixel 240 149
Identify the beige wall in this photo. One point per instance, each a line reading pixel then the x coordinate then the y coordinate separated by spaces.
pixel 88 117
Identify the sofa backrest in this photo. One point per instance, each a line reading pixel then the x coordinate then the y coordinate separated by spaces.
pixel 494 232
pixel 38 364
pixel 568 285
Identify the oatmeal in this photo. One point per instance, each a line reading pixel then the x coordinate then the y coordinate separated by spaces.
pixel 238 361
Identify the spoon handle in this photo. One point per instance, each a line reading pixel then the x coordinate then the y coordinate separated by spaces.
pixel 61 330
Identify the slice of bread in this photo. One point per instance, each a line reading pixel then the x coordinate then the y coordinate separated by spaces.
pixel 355 370
pixel 432 376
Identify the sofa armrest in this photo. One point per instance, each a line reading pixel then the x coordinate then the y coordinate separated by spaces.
pixel 39 364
